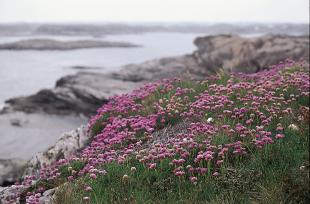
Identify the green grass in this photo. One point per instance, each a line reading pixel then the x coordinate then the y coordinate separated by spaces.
pixel 271 175
pixel 278 173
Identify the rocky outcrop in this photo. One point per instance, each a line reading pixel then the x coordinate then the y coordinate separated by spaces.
pixel 85 92
pixel 65 147
pixel 236 53
pixel 10 194
pixel 185 66
pixel 229 52
pixel 49 44
pixel 80 93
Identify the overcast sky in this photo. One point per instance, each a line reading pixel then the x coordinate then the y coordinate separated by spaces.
pixel 295 11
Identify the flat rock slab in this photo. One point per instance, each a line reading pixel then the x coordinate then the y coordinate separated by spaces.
pixel 81 93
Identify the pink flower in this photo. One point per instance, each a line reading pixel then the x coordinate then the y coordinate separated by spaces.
pixel 279 136
pixel 88 189
pixel 93 176
pixel 193 179
pixel 219 162
pixel 215 173
pixel 70 178
pixel 279 128
pixel 208 157
pixel 152 166
pixel 179 173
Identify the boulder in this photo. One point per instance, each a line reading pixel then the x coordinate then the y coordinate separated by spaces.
pixel 48 196
pixel 242 54
pixel 11 194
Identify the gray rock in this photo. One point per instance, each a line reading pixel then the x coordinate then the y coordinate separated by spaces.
pixel 48 196
pixel 9 195
pixel 80 93
pixel 231 53
pixel 236 53
pixel 184 66
pixel 64 148
pixel 48 44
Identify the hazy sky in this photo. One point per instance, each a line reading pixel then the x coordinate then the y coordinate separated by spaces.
pixel 296 11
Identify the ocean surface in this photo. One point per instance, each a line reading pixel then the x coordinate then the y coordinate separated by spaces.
pixel 26 72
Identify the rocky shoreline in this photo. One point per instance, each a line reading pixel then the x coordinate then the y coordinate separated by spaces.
pixel 84 92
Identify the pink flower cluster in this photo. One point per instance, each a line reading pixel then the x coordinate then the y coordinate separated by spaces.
pixel 223 120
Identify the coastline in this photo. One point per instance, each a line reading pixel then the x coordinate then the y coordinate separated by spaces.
pixel 84 92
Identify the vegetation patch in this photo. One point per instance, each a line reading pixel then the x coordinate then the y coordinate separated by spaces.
pixel 244 139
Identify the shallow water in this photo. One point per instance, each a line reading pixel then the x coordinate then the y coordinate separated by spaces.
pixel 36 133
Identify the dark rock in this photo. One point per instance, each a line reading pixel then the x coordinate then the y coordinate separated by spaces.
pixel 80 93
pixel 84 67
pixel 16 122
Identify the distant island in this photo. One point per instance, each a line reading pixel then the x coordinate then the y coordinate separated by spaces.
pixel 103 29
pixel 50 44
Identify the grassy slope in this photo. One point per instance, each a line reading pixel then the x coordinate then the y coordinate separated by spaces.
pixel 276 173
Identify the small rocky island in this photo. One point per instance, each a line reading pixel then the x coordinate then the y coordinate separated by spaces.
pixel 51 44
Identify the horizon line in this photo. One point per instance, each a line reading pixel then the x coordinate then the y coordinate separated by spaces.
pixel 151 22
